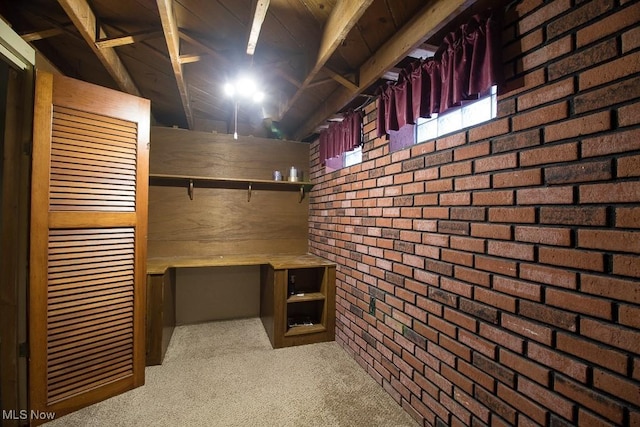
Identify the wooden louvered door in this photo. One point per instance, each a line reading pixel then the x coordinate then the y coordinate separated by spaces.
pixel 88 244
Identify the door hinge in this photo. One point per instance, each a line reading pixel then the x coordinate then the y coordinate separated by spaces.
pixel 23 349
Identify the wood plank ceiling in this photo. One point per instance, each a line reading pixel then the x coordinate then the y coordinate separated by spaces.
pixel 313 58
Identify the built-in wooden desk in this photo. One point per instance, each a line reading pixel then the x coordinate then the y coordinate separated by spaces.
pixel 316 294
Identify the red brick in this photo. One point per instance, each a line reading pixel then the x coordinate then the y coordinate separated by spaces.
pixel 629 114
pixel 488 130
pixel 496 265
pixel 450 141
pixel 496 299
pixel 545 196
pixel 457 257
pixel 513 215
pixel 472 275
pixel 580 172
pixel 617 386
pixel 460 319
pixel 492 231
pixel 520 178
pixel 609 25
pixel 496 162
pixel 543 15
pixel 422 148
pixel 609 95
pixel 578 16
pixel 618 192
pixel 586 418
pixel 626 265
pixel 616 336
pixel 619 142
pixel 546 93
pixel 558 362
pixel 497 406
pixel 597 402
pixel 426 174
pixel 525 367
pixel 493 198
pixel 576 302
pixel 595 54
pixel 523 405
pixel 517 288
pixel 456 169
pixel 571 258
pixel 523 45
pixel 552 154
pixel 612 70
pixel 511 250
pixel 477 343
pixel 548 315
pixel 541 116
pixel 547 53
pixel 612 240
pixel 583 215
pixel 516 141
pixel 473 182
pixel 544 235
pixel 628 217
pixel 546 398
pixel 631 39
pixel 455 199
pixel 471 151
pixel 528 329
pixel 594 353
pixel 467 244
pixel 628 166
pixel 494 369
pixel 629 315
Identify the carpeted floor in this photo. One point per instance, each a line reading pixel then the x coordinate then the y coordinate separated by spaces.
pixel 226 374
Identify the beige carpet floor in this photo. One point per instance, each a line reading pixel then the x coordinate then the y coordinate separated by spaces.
pixel 226 374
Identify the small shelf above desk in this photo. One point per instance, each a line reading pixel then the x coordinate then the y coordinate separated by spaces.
pixel 190 182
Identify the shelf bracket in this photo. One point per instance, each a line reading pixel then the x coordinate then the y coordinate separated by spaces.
pixel 301 193
pixel 191 189
pixel 249 193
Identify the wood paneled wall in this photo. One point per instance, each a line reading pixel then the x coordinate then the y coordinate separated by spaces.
pixel 223 221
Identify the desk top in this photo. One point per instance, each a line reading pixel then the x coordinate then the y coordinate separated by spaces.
pixel 277 261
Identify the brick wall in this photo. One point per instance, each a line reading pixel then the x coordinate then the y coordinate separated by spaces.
pixel 492 276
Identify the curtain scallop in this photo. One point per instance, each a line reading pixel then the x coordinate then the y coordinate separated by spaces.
pixel 467 64
pixel 342 136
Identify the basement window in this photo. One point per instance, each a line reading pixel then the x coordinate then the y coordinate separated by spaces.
pixel 470 113
pixel 344 160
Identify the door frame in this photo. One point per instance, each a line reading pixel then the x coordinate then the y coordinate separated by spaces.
pixel 20 58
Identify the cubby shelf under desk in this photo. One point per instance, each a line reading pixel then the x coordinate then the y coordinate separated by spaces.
pixel 161 291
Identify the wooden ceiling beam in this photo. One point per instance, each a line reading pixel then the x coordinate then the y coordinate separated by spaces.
pixel 341 79
pixel 128 39
pixel 258 19
pixel 85 21
pixel 433 17
pixel 171 35
pixel 343 17
pixel 40 35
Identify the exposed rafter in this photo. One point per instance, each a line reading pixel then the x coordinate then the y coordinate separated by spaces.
pixel 427 22
pixel 85 21
pixel 128 39
pixel 170 28
pixel 258 19
pixel 343 17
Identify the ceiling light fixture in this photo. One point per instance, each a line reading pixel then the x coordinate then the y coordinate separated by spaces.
pixel 244 88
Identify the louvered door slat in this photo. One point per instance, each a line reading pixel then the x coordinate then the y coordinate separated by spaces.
pixel 88 249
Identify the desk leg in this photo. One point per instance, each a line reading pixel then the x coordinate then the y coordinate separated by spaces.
pixel 161 314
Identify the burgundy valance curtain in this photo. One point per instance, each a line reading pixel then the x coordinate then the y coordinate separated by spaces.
pixel 467 64
pixel 342 136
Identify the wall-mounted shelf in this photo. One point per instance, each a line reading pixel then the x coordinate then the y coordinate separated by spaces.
pixel 190 182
